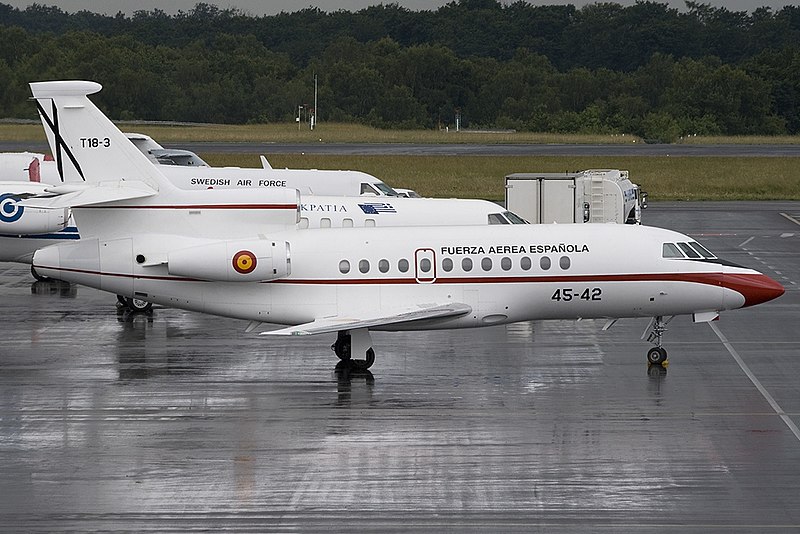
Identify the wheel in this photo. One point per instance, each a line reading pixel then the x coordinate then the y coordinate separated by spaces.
pixel 656 356
pixel 363 365
pixel 138 305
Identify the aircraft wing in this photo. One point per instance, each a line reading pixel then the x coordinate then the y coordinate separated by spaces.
pixel 328 325
pixel 74 195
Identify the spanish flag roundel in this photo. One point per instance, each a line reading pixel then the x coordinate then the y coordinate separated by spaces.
pixel 244 262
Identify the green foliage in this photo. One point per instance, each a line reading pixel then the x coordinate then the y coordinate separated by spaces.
pixel 645 69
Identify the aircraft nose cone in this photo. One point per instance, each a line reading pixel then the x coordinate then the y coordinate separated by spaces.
pixel 755 288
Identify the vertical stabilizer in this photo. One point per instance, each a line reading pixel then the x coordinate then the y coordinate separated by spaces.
pixel 86 145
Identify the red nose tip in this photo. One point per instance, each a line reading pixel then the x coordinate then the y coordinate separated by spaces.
pixel 756 288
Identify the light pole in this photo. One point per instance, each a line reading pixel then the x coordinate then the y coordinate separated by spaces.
pixel 314 116
pixel 299 111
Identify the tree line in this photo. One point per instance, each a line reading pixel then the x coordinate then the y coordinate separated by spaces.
pixel 645 69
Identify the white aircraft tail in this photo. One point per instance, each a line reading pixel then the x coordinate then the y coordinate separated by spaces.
pixel 86 145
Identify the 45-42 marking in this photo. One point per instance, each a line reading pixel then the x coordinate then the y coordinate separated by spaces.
pixel 566 294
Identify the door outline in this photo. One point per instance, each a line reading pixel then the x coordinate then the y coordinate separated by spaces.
pixel 422 254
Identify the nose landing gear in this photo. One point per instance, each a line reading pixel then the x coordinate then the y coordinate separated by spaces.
pixel 658 354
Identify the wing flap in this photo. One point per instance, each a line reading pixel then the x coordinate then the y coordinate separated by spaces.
pixel 326 325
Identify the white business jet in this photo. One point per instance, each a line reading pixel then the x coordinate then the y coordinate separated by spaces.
pixel 207 251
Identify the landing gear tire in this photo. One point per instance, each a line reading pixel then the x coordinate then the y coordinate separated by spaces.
pixel 138 305
pixel 656 356
pixel 363 365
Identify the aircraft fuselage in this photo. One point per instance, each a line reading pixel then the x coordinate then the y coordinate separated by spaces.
pixel 514 274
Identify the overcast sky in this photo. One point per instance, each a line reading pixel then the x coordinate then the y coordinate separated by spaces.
pixel 271 7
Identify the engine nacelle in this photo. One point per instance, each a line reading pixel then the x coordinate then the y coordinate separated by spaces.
pixel 16 219
pixel 254 260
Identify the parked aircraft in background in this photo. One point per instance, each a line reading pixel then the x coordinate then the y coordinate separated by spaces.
pixel 208 251
pixel 154 151
pixel 189 171
pixel 25 229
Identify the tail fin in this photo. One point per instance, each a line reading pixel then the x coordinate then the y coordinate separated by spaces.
pixel 87 146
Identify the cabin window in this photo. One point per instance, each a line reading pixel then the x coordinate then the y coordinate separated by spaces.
pixel 425 265
pixel 669 250
pixel 303 224
pixel 383 266
pixel 447 264
pixel 689 251
pixel 325 222
pixel 702 250
pixel 363 266
pixel 486 264
pixel 496 218
pixel 505 264
pixel 369 223
pixel 402 266
pixel 564 262
pixel 525 263
pixel 544 263
pixel 344 266
pixel 347 223
pixel 466 265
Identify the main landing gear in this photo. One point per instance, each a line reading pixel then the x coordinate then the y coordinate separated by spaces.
pixel 134 304
pixel 350 342
pixel 658 354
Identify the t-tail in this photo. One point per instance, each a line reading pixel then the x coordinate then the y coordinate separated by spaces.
pixel 87 146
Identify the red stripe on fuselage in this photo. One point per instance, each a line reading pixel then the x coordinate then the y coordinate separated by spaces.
pixel 715 279
pixel 122 275
pixel 201 207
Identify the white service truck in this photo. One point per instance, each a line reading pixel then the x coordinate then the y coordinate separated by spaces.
pixel 590 196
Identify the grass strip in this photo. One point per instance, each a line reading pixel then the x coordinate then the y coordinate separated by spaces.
pixel 664 178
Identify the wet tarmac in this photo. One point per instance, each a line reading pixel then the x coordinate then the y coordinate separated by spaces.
pixel 180 421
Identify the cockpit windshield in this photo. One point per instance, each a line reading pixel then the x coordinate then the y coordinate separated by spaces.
pixel 497 218
pixel 692 250
pixel 386 190
pixel 514 218
pixel 506 217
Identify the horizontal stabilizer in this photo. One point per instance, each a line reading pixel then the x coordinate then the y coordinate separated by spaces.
pixel 328 325
pixel 90 194
pixel 22 189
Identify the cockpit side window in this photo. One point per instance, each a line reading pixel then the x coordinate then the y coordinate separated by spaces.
pixel 496 218
pixel 702 250
pixel 669 250
pixel 367 189
pixel 689 251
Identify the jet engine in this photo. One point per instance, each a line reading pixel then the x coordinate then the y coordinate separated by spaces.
pixel 16 219
pixel 255 260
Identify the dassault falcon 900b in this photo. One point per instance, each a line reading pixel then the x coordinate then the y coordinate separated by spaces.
pixel 207 251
